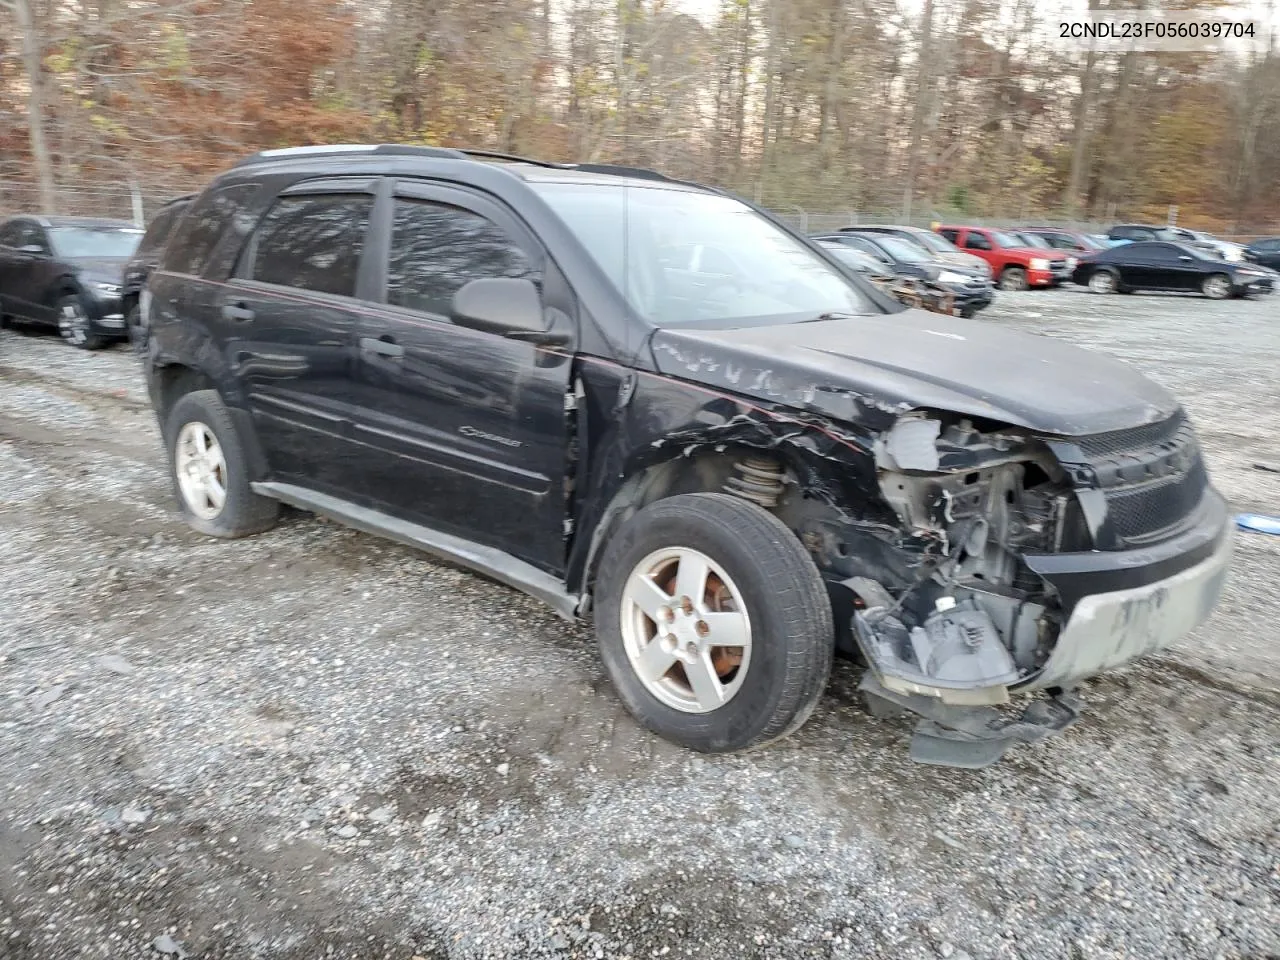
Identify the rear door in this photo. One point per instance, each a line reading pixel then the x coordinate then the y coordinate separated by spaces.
pixel 464 431
pixel 287 320
pixel 10 233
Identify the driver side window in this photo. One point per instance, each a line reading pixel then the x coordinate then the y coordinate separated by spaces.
pixel 977 241
pixel 436 249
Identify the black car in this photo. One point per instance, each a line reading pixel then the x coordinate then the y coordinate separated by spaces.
pixel 653 405
pixel 970 289
pixel 145 259
pixel 1264 251
pixel 1157 265
pixel 66 272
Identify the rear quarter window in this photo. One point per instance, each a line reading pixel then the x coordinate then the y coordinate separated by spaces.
pixel 195 241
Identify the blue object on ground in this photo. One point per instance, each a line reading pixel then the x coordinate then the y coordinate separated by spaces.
pixel 1258 523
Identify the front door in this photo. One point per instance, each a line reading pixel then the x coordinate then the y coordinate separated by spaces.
pixel 287 322
pixel 465 431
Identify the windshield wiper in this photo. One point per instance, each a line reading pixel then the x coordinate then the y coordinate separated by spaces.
pixel 832 315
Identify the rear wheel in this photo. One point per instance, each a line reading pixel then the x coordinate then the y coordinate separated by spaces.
pixel 1013 278
pixel 1103 281
pixel 713 623
pixel 1217 286
pixel 74 324
pixel 210 470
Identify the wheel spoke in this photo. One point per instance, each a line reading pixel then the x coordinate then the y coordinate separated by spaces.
pixel 707 689
pixel 648 596
pixel 202 442
pixel 215 491
pixel 691 577
pixel 654 660
pixel 728 629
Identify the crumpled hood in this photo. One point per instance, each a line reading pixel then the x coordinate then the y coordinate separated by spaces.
pixel 106 269
pixel 870 369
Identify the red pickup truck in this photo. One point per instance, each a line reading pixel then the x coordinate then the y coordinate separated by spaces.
pixel 1014 266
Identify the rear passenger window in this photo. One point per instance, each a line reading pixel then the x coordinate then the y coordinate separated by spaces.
pixel 952 235
pixel 198 232
pixel 435 249
pixel 977 241
pixel 312 242
pixel 11 234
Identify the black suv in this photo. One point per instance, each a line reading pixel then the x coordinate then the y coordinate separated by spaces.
pixel 145 259
pixel 649 403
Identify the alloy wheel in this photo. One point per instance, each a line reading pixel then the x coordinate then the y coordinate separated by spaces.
pixel 686 630
pixel 73 322
pixel 201 470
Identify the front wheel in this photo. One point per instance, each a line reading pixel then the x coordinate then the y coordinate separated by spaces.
pixel 1216 286
pixel 713 623
pixel 1013 278
pixel 1103 281
pixel 74 324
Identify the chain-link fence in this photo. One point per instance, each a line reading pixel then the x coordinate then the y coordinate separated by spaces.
pixel 138 200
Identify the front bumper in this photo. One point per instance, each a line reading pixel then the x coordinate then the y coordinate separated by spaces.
pixel 1042 278
pixel 1124 605
pixel 106 313
pixel 968 298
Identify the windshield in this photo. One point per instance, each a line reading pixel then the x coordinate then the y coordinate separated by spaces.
pixel 934 242
pixel 903 250
pixel 855 258
pixel 1005 239
pixel 682 258
pixel 1034 240
pixel 1092 242
pixel 107 242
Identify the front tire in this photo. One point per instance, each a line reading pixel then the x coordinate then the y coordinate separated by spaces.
pixel 713 623
pixel 1216 286
pixel 1013 279
pixel 74 325
pixel 210 470
pixel 1103 282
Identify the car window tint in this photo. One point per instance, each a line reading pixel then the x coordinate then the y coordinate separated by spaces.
pixel 436 248
pixel 977 241
pixel 198 232
pixel 10 234
pixel 312 242
pixel 950 234
pixel 159 228
pixel 1268 245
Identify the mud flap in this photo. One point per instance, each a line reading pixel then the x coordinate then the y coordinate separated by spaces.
pixel 969 737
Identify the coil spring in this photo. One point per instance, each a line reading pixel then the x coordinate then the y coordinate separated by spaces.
pixel 759 481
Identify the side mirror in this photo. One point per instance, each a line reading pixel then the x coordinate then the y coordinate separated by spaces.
pixel 507 306
pixel 31 248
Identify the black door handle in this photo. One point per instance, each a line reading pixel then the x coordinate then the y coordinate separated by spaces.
pixel 385 346
pixel 237 312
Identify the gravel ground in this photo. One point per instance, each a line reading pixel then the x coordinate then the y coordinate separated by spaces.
pixel 313 744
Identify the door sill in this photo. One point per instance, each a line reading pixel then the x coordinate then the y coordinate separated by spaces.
pixel 492 562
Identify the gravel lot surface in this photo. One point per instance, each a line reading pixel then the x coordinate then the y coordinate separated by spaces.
pixel 313 744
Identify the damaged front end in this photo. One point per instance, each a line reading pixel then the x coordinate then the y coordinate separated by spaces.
pixel 988 515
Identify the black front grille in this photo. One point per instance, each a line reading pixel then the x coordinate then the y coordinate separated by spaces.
pixel 1153 478
pixel 1134 439
pixel 1151 511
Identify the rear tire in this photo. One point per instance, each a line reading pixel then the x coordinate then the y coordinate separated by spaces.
pixel 1013 279
pixel 1216 286
pixel 210 470
pixel 751 580
pixel 74 325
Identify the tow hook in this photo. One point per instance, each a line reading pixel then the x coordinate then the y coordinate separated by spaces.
pixel 970 737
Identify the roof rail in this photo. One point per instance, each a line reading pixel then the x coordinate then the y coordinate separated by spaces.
pixel 639 173
pixel 513 158
pixel 320 150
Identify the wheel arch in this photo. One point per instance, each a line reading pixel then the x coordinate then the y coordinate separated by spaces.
pixel 169 380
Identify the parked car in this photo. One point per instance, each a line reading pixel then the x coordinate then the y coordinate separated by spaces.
pixel 938 247
pixel 969 290
pixel 1015 266
pixel 1265 251
pixel 1070 242
pixel 1225 249
pixel 912 291
pixel 1134 232
pixel 514 365
pixel 1033 241
pixel 1160 265
pixel 143 262
pixel 66 273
